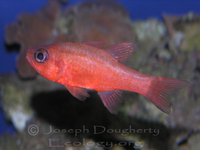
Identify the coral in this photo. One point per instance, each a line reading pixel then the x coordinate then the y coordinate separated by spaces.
pixel 43 141
pixel 191 37
pixel 175 55
pixel 149 29
pixel 32 30
pixel 170 21
pixel 16 97
pixel 89 21
pixel 161 60
pixel 184 141
pixel 15 105
pixel 184 31
pixel 101 21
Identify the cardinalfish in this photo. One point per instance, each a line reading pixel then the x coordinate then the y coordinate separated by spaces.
pixel 82 66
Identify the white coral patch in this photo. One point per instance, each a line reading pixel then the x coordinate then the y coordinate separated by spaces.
pixel 19 118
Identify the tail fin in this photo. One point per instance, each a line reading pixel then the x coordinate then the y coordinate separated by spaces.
pixel 160 90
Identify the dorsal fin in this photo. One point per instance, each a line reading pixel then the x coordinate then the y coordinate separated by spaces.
pixel 111 100
pixel 96 44
pixel 121 51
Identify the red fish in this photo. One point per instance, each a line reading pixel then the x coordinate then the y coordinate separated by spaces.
pixel 86 66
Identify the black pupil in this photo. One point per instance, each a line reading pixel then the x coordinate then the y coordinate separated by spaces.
pixel 40 56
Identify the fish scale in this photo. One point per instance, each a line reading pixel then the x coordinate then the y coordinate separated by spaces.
pixel 82 66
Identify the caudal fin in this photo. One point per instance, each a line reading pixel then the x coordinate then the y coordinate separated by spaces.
pixel 160 90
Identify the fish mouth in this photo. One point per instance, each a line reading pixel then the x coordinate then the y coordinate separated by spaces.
pixel 28 59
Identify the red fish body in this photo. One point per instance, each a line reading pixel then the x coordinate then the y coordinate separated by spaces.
pixel 86 66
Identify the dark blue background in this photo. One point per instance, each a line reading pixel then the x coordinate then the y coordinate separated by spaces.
pixel 139 9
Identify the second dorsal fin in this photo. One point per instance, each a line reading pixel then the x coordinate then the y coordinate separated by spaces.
pixel 121 51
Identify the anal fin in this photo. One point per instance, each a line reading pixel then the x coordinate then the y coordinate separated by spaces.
pixel 111 100
pixel 78 92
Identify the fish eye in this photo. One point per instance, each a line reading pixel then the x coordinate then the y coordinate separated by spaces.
pixel 41 55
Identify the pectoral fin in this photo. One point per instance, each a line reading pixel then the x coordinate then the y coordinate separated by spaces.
pixel 111 100
pixel 78 92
